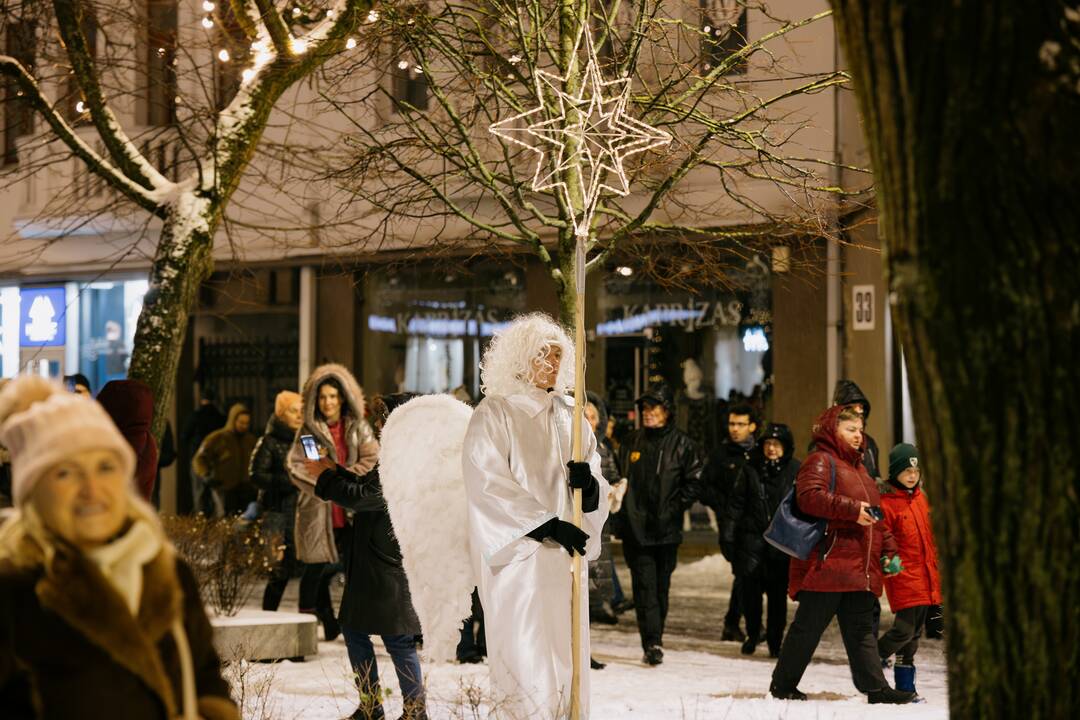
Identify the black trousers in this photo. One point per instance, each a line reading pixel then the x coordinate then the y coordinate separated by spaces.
pixel 769 579
pixel 650 576
pixel 855 613
pixel 903 638
pixel 735 604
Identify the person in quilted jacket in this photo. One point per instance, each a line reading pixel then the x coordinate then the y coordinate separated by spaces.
pixel 917 587
pixel 843 575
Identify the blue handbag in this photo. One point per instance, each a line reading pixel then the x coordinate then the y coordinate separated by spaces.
pixel 793 532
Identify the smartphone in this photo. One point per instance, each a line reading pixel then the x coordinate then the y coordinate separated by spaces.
pixel 875 512
pixel 311 449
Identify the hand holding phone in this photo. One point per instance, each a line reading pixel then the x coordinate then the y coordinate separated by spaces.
pixel 311 448
pixel 876 512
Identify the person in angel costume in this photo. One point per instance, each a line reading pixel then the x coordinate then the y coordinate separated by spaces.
pixel 519 481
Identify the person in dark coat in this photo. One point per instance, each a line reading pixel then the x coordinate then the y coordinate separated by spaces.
pixel 205 420
pixel 376 599
pixel 663 468
pixel 277 494
pixel 727 464
pixel 751 506
pixel 847 393
pixel 130 403
pixel 99 618
pixel 843 575
pixel 223 459
pixel 602 577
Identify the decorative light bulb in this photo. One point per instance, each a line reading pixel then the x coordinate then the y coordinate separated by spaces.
pixel 515 59
pixel 208 22
pixel 624 271
pixel 299 46
pixel 223 55
pixel 208 6
pixel 403 65
pixel 296 11
pixel 707 29
pixel 331 14
pixel 350 43
pixel 417 70
pixel 80 107
pixel 373 16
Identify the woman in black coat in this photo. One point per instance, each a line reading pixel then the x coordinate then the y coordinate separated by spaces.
pixel 376 599
pixel 764 569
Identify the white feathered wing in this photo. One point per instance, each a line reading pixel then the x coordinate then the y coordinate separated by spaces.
pixel 420 471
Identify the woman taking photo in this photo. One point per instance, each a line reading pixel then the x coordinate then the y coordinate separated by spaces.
pixel 843 576
pixel 98 617
pixel 334 416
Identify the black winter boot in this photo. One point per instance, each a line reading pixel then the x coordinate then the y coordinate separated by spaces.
pixel 792 694
pixel 890 696
pixel 654 655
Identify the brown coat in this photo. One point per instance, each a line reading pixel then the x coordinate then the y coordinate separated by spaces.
pixel 224 455
pixel 314 530
pixel 70 648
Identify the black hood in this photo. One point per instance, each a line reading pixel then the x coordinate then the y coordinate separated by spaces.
pixel 781 432
pixel 601 411
pixel 276 426
pixel 848 393
pixel 659 394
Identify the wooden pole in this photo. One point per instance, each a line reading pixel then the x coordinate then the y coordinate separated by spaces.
pixel 577 454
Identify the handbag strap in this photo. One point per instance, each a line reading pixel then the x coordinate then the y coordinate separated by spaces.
pixel 832 474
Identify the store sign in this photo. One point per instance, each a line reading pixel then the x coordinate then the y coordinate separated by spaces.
pixel 455 322
pixel 41 317
pixel 862 305
pixel 691 315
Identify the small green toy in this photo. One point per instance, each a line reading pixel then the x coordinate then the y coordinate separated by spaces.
pixel 891 566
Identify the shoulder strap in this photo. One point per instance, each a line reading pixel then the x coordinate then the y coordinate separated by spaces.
pixel 832 474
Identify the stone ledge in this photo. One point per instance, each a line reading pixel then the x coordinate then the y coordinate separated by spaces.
pixel 262 635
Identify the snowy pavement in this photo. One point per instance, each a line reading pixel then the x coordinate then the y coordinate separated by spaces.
pixel 701 678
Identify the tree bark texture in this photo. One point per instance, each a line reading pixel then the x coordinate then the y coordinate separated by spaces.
pixel 972 114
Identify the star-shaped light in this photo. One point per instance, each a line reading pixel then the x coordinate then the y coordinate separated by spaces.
pixel 587 131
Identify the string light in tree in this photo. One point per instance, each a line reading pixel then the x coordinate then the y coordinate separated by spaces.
pixel 223 55
pixel 208 6
pixel 373 16
pixel 208 22
pixel 350 43
pixel 587 132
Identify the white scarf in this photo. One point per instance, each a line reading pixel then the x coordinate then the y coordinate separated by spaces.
pixel 122 561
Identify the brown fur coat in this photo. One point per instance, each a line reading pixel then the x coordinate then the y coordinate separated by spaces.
pixel 70 648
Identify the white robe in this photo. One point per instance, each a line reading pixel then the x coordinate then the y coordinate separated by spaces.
pixel 514 462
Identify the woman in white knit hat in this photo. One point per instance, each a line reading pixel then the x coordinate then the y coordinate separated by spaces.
pixel 98 617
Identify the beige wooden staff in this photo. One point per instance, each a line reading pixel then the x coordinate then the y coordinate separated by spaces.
pixel 577 455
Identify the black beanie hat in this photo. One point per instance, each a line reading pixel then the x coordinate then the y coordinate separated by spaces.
pixel 902 457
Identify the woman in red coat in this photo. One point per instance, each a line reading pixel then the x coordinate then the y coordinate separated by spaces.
pixel 918 586
pixel 842 578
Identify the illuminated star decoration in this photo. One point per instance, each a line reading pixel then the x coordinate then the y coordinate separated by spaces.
pixel 588 131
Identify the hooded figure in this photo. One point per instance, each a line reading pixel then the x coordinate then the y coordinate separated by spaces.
pixel 130 404
pixel 848 393
pixel 223 459
pixel 515 460
pixel 99 618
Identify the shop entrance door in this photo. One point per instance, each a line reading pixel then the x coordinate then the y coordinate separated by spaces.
pixel 627 376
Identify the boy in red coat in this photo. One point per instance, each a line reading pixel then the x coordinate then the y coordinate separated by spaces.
pixel 918 585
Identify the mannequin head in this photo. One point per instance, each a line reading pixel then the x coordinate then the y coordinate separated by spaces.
pixel 692 378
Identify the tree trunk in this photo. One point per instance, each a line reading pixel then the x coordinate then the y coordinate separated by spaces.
pixel 972 128
pixel 183 260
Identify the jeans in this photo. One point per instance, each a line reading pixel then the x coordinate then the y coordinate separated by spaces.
pixel 903 637
pixel 854 611
pixel 651 567
pixel 402 649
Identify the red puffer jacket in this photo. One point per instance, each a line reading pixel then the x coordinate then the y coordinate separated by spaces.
pixel 849 557
pixel 907 517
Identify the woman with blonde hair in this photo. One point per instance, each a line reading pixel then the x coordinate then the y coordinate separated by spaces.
pixel 98 616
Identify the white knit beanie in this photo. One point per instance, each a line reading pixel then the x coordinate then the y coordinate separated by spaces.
pixel 41 425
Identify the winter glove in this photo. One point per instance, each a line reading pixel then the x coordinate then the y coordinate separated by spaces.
pixel 581 478
pixel 571 537
pixel 891 566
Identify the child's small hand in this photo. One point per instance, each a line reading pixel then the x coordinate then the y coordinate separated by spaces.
pixel 892 566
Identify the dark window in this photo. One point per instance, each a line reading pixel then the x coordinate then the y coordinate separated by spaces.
pixel 18 113
pixel 723 26
pixel 230 38
pixel 73 108
pixel 161 85
pixel 409 85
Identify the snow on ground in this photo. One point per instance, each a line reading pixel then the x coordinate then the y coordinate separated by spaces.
pixel 716 683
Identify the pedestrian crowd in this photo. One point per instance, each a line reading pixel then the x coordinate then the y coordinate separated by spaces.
pixel 82 476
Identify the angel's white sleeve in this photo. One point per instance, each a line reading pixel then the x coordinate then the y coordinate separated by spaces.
pixel 501 511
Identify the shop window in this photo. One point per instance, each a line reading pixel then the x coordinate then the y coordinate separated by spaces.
pixel 723 28
pixel 19 43
pixel 159 53
pixel 108 313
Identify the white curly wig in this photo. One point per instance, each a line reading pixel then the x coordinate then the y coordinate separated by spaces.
pixel 507 367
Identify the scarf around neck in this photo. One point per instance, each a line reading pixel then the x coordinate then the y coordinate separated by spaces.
pixel 121 561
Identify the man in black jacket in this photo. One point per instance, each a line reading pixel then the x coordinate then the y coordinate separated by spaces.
pixel 728 463
pixel 664 469
pixel 760 567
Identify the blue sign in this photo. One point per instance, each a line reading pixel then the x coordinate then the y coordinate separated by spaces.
pixel 42 317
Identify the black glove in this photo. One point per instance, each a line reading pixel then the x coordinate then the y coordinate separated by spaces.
pixel 566 534
pixel 581 478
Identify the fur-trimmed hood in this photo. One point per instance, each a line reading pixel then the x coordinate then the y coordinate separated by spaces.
pixel 352 403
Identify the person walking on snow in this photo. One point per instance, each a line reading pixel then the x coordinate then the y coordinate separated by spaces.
pixel 842 577
pixel 519 480
pixel 917 587
pixel 223 459
pixel 663 468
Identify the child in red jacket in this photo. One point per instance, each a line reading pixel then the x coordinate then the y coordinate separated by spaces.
pixel 917 587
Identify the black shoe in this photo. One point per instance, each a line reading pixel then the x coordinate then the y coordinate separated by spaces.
pixel 604 615
pixel 366 713
pixel 331 628
pixel 774 652
pixel 732 633
pixel 749 646
pixel 793 694
pixel 470 658
pixel 654 655
pixel 623 606
pixel 596 664
pixel 890 696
